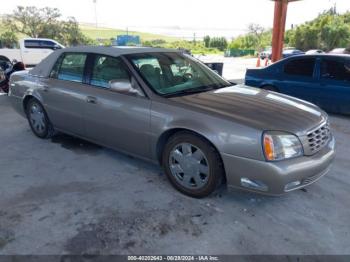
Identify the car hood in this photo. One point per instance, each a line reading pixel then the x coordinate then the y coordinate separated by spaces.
pixel 257 108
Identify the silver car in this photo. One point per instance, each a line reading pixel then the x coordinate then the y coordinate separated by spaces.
pixel 167 107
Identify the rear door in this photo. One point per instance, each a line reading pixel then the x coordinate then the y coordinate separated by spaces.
pixel 119 120
pixel 334 86
pixel 298 78
pixel 64 93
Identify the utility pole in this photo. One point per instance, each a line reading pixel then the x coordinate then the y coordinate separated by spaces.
pixel 95 7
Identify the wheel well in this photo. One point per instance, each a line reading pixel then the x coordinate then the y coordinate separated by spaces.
pixel 167 134
pixel 26 100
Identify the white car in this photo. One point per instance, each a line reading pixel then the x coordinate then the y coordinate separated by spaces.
pixel 314 51
pixel 31 51
pixel 339 51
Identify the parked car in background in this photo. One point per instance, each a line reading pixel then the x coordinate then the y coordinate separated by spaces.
pixel 340 51
pixel 286 53
pixel 7 68
pixel 321 79
pixel 314 52
pixel 31 50
pixel 266 53
pixel 291 52
pixel 166 107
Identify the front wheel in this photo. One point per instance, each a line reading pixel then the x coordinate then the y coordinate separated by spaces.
pixel 192 165
pixel 38 119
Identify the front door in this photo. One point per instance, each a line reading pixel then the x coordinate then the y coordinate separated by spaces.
pixel 334 86
pixel 119 120
pixel 298 79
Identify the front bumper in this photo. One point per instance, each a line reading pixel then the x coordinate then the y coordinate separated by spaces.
pixel 274 176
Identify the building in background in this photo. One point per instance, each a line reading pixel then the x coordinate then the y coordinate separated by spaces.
pixel 125 40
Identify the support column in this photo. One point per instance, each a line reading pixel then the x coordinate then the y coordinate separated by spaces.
pixel 279 24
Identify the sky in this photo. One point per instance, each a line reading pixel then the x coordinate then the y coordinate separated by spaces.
pixel 182 18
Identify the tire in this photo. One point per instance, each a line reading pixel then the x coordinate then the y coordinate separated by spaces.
pixel 38 119
pixel 192 165
pixel 270 88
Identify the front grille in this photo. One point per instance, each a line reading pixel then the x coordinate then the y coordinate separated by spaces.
pixel 317 139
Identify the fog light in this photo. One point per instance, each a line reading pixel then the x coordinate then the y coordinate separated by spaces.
pixel 254 184
pixel 291 185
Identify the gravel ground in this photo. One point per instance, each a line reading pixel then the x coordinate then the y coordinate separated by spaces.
pixel 68 196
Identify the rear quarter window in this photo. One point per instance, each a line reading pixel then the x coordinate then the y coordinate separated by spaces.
pixel 69 67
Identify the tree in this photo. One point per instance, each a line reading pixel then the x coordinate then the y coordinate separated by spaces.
pixel 71 34
pixel 218 42
pixel 8 39
pixel 45 23
pixel 32 21
pixel 256 32
pixel 329 30
pixel 335 34
pixel 206 41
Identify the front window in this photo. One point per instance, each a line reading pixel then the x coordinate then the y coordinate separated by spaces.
pixel 300 67
pixel 108 68
pixel 175 74
pixel 335 70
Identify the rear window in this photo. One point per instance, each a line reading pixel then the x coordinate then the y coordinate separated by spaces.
pixel 300 67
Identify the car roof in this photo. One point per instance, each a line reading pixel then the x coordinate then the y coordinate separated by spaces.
pixel 316 56
pixel 116 50
pixel 46 39
pixel 43 69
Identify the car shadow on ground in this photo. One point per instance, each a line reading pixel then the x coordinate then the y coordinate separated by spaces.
pixel 84 147
pixel 77 145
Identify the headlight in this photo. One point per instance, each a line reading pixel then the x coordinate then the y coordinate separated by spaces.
pixel 280 145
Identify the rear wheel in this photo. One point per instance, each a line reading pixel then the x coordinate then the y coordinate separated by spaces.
pixel 192 165
pixel 38 119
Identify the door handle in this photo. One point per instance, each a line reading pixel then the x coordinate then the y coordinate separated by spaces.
pixel 45 88
pixel 91 100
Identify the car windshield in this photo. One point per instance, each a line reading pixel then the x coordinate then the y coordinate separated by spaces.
pixel 172 73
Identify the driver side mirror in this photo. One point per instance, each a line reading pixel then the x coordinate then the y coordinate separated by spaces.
pixel 123 86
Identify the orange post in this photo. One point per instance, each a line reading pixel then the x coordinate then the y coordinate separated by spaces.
pixel 279 24
pixel 267 61
pixel 258 63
